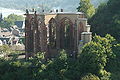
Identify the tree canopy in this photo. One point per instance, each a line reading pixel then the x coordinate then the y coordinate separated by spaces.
pixel 107 19
pixel 87 8
pixel 95 62
pixel 10 20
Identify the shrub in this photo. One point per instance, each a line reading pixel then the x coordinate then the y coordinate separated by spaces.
pixel 90 76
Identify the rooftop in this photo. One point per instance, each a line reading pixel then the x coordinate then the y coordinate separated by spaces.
pixel 52 13
pixel 65 13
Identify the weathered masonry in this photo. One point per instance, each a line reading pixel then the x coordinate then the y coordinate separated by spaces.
pixel 52 32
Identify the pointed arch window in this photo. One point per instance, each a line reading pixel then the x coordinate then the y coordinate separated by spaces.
pixel 66 35
pixel 52 33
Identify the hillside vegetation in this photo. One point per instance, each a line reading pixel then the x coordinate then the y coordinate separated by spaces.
pixel 47 4
pixel 99 60
pixel 107 19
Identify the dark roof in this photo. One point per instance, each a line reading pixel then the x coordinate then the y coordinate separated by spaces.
pixel 1 17
pixel 19 24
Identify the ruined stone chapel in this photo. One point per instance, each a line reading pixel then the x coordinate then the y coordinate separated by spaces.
pixel 52 32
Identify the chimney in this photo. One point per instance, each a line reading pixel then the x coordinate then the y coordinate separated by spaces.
pixel 61 10
pixel 27 12
pixel 50 11
pixel 43 10
pixel 33 10
pixel 56 10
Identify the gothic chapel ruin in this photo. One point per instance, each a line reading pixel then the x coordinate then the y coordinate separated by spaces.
pixel 52 32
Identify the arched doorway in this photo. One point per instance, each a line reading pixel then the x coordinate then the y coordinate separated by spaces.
pixel 66 34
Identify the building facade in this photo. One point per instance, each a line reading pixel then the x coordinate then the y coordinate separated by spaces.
pixel 52 32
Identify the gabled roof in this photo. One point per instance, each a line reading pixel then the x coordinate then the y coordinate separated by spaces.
pixel 19 24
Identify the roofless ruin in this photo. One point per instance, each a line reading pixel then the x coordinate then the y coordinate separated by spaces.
pixel 52 32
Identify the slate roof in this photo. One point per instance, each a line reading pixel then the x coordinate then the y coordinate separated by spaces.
pixel 19 24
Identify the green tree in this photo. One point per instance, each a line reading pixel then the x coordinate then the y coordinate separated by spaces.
pixel 2 24
pixel 98 57
pixel 10 20
pixel 107 19
pixel 5 50
pixel 72 71
pixel 93 59
pixel 15 17
pixel 53 69
pixel 106 42
pixel 90 77
pixel 87 8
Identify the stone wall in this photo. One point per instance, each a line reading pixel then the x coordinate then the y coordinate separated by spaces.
pixel 52 32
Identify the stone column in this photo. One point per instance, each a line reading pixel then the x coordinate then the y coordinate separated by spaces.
pixel 35 33
pixel 27 35
pixel 75 35
pixel 58 37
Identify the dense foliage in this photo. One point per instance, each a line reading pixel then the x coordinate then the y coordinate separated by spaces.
pixel 95 62
pixel 90 77
pixel 87 8
pixel 99 59
pixel 107 19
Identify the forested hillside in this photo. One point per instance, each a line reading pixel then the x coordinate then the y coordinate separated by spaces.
pixel 47 4
pixel 98 60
